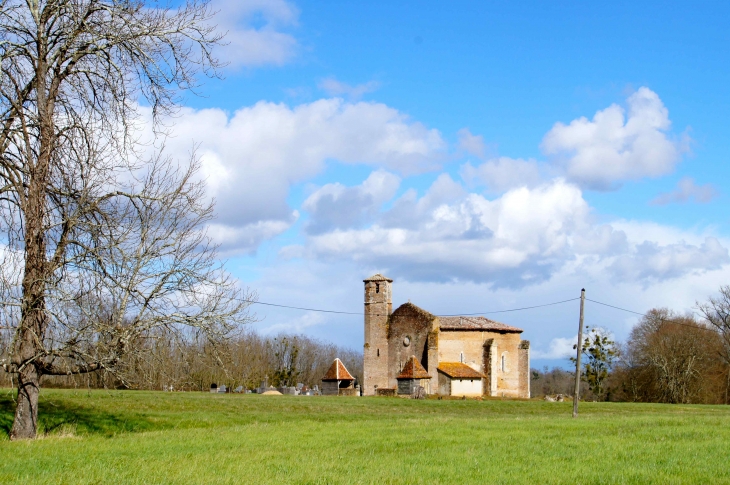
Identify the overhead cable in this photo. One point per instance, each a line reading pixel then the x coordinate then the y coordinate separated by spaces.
pixel 512 309
pixel 664 320
pixel 362 314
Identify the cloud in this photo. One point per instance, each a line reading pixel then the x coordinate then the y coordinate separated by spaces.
pixel 410 212
pixel 514 240
pixel 615 145
pixel 336 206
pixel 252 157
pixel 503 173
pixel 247 237
pixel 296 325
pixel 558 348
pixel 650 261
pixel 333 87
pixel 254 37
pixel 469 143
pixel 687 191
pixel 564 348
pixel 521 238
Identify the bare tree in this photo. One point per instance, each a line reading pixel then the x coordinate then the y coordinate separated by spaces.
pixel 104 247
pixel 716 312
pixel 673 359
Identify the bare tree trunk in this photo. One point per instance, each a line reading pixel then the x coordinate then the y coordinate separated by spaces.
pixel 25 425
pixel 33 324
pixel 33 311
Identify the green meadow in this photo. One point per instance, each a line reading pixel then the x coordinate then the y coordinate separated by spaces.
pixel 119 437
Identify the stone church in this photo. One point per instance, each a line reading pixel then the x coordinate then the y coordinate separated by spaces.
pixel 455 355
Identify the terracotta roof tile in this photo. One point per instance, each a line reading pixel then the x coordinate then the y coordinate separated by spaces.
pixel 475 323
pixel 459 370
pixel 413 370
pixel 337 372
pixel 378 277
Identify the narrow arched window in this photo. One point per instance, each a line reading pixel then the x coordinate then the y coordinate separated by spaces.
pixel 377 287
pixel 378 352
pixel 504 364
pixel 461 357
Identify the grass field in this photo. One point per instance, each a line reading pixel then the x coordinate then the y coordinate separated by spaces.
pixel 189 438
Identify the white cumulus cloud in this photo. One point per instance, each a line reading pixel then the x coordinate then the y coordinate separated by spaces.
pixel 650 261
pixel 523 237
pixel 513 240
pixel 558 348
pixel 470 143
pixel 687 190
pixel 254 35
pixel 252 157
pixel 503 173
pixel 337 206
pixel 617 144
pixel 333 87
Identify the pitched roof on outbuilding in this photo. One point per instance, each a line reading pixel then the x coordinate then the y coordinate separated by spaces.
pixel 459 370
pixel 475 323
pixel 413 370
pixel 337 372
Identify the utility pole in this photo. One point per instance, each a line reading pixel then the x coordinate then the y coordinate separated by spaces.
pixel 579 348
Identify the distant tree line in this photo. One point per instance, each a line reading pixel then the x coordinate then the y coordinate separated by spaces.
pixel 668 358
pixel 194 364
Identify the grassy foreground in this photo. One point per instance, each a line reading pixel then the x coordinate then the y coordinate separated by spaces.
pixel 189 438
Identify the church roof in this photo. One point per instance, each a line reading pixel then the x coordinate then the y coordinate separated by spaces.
pixel 337 372
pixel 378 277
pixel 459 370
pixel 414 308
pixel 475 323
pixel 413 370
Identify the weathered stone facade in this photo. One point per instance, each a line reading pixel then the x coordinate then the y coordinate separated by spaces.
pixel 493 349
pixel 378 307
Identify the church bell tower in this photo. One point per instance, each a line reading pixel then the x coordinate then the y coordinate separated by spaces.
pixel 378 307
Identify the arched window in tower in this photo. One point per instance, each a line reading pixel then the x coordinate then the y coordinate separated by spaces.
pixel 461 357
pixel 377 287
pixel 378 352
pixel 504 366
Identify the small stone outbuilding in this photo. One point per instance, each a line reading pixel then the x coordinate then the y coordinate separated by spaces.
pixel 338 381
pixel 458 379
pixel 412 377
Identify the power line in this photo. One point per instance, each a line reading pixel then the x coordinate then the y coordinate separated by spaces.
pixel 300 308
pixel 362 313
pixel 512 309
pixel 616 307
pixel 664 320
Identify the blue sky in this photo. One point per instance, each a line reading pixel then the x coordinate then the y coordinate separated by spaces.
pixel 483 155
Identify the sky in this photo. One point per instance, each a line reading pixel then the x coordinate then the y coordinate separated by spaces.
pixel 486 156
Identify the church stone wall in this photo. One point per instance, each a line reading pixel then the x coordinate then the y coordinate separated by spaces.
pixel 524 363
pixel 452 344
pixel 408 334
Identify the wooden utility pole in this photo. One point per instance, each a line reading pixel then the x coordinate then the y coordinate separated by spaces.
pixel 579 348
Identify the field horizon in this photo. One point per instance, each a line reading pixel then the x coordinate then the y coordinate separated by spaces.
pixel 97 436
